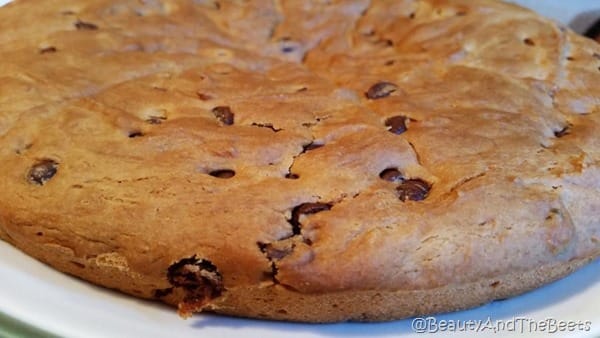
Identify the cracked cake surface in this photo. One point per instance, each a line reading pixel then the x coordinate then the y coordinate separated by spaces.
pixel 300 160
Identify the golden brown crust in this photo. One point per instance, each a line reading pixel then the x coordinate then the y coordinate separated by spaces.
pixel 232 156
pixel 280 303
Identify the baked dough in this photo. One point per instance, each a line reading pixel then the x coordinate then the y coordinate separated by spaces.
pixel 309 161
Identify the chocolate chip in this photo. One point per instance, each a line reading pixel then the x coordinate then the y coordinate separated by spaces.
pixel 311 146
pixel 391 174
pixel 287 45
pixel 396 124
pixel 199 278
pixel 292 176
pixel 528 42
pixel 222 173
pixel 42 171
pixel 413 189
pixel 223 114
pixel 160 293
pixel 562 132
pixel 135 133
pixel 192 272
pixel 380 90
pixel 306 209
pixel 48 50
pixel 80 25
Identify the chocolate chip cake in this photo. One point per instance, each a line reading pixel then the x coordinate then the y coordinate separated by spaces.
pixel 311 161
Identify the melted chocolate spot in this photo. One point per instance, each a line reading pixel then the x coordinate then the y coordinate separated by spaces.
pixel 380 90
pixel 135 134
pixel 287 45
pixel 396 124
pixel 391 175
pixel 42 171
pixel 528 42
pixel 223 114
pixel 192 272
pixel 200 279
pixel 413 189
pixel 48 50
pixel 562 132
pixel 222 173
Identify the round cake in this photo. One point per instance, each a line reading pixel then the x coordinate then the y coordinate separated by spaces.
pixel 314 161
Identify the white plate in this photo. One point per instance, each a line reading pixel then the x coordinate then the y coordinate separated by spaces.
pixel 65 306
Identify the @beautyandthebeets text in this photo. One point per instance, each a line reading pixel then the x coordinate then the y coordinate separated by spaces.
pixel 489 325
